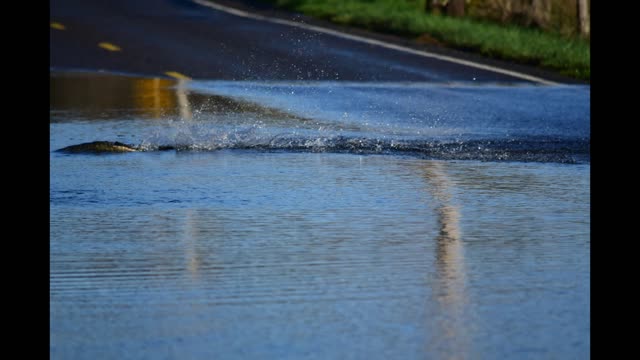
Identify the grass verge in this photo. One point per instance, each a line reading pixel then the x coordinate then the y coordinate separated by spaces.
pixel 568 56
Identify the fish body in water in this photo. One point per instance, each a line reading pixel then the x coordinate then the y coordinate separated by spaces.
pixel 96 147
pixel 99 147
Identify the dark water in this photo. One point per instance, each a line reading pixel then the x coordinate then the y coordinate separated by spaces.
pixel 269 236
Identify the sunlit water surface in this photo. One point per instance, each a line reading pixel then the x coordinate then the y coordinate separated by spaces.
pixel 242 245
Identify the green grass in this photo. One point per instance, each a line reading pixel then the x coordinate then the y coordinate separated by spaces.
pixel 569 56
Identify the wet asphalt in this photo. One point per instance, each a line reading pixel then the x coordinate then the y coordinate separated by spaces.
pixel 182 38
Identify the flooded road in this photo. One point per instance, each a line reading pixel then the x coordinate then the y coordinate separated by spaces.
pixel 318 220
pixel 515 122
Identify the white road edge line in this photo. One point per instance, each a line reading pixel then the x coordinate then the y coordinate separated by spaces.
pixel 387 45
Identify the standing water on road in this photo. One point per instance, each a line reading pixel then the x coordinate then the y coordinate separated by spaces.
pixel 319 220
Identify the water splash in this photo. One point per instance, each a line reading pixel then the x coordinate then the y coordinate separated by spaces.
pixel 434 121
pixel 257 138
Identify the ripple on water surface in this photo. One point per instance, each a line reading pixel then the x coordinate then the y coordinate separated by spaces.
pixel 247 253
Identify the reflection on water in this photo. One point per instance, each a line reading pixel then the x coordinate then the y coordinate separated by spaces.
pixel 450 282
pixel 109 96
pixel 106 96
pixel 151 96
pixel 183 100
pixel 193 260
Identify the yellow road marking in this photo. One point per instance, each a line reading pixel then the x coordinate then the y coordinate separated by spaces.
pixel 109 46
pixel 177 75
pixel 57 25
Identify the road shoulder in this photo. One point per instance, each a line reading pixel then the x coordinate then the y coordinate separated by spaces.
pixel 267 10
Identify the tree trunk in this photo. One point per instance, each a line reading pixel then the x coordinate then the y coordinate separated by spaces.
pixel 455 8
pixel 584 24
pixel 435 7
pixel 541 13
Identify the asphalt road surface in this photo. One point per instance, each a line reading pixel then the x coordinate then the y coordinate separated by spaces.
pixel 183 38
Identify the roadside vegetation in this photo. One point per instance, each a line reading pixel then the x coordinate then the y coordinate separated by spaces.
pixel 568 55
